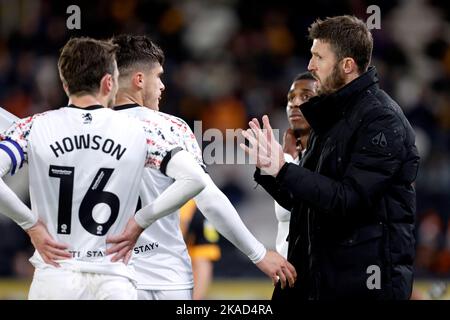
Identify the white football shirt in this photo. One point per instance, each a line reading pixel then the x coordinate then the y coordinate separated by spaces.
pixel 160 257
pixel 85 168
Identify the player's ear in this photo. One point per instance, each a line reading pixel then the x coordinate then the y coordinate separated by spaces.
pixel 349 65
pixel 106 84
pixel 66 88
pixel 64 83
pixel 138 80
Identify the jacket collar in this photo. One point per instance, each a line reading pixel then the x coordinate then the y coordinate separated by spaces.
pixel 324 111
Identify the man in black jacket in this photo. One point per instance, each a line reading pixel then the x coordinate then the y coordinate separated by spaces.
pixel 352 200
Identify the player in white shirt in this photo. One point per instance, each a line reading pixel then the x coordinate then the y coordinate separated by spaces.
pixel 295 141
pixel 161 259
pixel 85 166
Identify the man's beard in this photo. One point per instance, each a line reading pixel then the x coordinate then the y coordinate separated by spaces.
pixel 333 82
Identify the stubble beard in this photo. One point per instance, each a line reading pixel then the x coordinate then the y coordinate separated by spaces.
pixel 332 83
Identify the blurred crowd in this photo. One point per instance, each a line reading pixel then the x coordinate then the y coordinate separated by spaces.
pixel 228 61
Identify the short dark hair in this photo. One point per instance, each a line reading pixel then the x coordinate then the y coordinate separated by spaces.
pixel 136 49
pixel 304 76
pixel 83 63
pixel 348 37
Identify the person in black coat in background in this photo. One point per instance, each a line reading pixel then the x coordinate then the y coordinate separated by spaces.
pixel 352 199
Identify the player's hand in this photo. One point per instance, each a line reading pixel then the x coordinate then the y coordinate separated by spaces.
pixel 278 269
pixel 290 143
pixel 49 249
pixel 124 243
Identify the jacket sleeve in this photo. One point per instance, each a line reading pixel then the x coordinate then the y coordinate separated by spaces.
pixel 375 158
pixel 277 191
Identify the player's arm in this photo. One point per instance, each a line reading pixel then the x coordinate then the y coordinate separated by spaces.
pixel 283 216
pixel 216 207
pixel 219 211
pixel 11 159
pixel 188 182
pixel 10 205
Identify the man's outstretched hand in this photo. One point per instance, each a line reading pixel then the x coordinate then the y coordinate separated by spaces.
pixel 263 148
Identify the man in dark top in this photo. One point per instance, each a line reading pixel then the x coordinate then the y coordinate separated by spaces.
pixel 352 199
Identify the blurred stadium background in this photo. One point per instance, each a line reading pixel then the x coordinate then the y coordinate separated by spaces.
pixel 226 62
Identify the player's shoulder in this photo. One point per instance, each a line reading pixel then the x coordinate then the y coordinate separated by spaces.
pixel 63 113
pixel 176 122
pixel 174 119
pixel 159 117
pixel 42 115
pixel 29 120
pixel 20 129
pixel 130 120
pixel 51 114
pixel 156 114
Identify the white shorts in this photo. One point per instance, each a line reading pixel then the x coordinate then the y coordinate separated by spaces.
pixel 60 284
pixel 165 294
